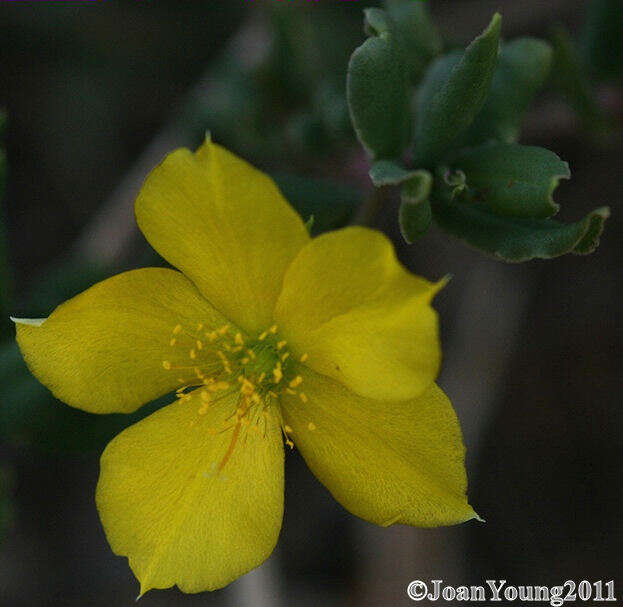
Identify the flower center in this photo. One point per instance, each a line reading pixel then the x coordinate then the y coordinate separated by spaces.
pixel 223 363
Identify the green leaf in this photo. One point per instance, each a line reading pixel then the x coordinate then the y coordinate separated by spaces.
pixel 379 96
pixel 376 21
pixel 602 40
pixel 513 180
pixel 516 239
pixel 415 211
pixel 452 94
pixel 331 204
pixel 523 66
pixel 417 33
pixel 388 172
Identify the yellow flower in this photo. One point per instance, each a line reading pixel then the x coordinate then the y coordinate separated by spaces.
pixel 266 336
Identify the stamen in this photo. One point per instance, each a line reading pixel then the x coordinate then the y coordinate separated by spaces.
pixel 172 342
pixel 199 345
pixel 177 329
pixel 273 330
pixel 166 364
pixel 192 353
pixel 304 357
pixel 311 426
pixel 238 339
pixel 287 428
pixel 281 344
pixel 303 397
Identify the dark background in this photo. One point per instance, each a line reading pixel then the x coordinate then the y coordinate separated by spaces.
pixel 97 93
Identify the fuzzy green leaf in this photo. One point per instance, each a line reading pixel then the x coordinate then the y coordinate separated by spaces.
pixel 415 211
pixel 523 66
pixel 513 180
pixel 452 93
pixel 517 239
pixel 379 96
pixel 417 33
pixel 388 172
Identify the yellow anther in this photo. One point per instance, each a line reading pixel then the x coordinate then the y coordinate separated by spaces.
pixel 199 345
pixel 297 381
pixel 277 373
pixel 166 364
pixel 311 426
pixel 285 356
pixel 251 354
pixel 261 378
pixel 208 381
pixel 287 428
pixel 245 360
pixel 273 329
pixel 303 397
pixel 200 326
pixel 238 339
pixel 273 394
pixel 281 344
pixel 172 342
pixel 177 329
pixel 227 347
pixel 221 356
pixel 255 398
pixel 212 335
pixel 304 357
pixel 290 444
pixel 221 385
pixel 262 336
pixel 198 372
pixel 192 353
pixel 290 391
pixel 223 330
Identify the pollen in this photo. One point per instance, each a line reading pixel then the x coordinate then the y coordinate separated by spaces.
pixel 297 381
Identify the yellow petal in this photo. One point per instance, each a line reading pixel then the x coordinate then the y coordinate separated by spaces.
pixel 103 350
pixel 226 226
pixel 386 462
pixel 180 508
pixel 360 316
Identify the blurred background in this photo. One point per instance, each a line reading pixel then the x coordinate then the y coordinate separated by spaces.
pixel 95 94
